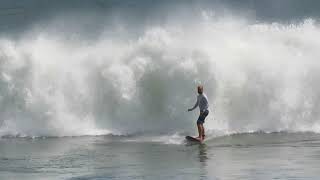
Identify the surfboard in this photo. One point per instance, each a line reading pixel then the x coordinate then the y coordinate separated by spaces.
pixel 192 139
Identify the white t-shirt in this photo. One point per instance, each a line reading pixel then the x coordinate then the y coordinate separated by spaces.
pixel 202 102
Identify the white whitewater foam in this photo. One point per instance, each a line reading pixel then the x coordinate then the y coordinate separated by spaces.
pixel 258 77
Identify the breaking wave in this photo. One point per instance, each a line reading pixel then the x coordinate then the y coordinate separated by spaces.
pixel 258 77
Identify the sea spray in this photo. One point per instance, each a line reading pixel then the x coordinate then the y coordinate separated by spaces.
pixel 258 77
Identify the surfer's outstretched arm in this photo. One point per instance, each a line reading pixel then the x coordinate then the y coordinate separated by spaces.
pixel 196 105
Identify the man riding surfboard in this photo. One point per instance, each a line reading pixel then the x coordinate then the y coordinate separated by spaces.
pixel 202 102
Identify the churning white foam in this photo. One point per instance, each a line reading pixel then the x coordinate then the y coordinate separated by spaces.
pixel 258 77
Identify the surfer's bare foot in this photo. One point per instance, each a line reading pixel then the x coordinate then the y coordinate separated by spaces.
pixel 200 139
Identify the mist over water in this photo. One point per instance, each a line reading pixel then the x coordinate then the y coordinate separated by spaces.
pixel 258 77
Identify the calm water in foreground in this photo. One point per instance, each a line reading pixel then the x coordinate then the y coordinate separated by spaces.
pixel 243 156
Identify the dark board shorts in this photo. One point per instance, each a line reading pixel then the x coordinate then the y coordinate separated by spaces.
pixel 202 117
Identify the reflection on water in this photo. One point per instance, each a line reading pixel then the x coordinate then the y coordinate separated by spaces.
pixel 203 160
pixel 203 153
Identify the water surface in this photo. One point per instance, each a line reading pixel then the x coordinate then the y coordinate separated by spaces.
pixel 242 156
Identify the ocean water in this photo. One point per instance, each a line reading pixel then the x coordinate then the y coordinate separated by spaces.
pixel 99 89
pixel 241 156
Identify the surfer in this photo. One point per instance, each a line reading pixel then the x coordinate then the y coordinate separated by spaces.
pixel 202 102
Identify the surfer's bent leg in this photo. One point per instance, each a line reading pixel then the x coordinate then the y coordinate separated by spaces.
pixel 199 130
pixel 200 122
pixel 203 134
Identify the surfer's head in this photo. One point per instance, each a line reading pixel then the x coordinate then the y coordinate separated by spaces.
pixel 200 89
